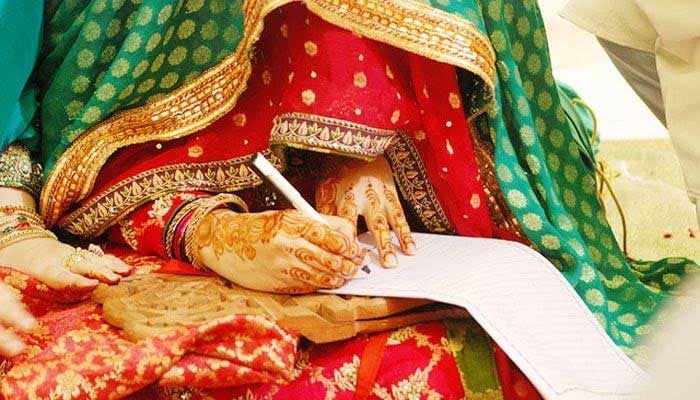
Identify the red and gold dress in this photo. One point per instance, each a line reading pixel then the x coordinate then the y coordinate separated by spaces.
pixel 316 92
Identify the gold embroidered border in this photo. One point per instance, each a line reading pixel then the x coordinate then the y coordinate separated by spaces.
pixel 412 180
pixel 418 28
pixel 408 25
pixel 330 135
pixel 99 213
pixel 501 215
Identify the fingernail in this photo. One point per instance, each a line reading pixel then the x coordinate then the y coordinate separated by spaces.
pixel 87 283
pixel 366 259
pixel 411 249
pixel 390 261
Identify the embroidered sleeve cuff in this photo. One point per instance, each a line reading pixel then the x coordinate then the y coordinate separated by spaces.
pixel 18 170
pixel 330 135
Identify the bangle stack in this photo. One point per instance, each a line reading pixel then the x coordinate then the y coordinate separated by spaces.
pixel 18 223
pixel 179 235
pixel 175 227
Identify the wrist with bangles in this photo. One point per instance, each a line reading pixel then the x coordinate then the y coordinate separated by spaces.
pixel 179 233
pixel 18 223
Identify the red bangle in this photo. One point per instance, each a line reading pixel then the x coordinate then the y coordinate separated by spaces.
pixel 178 252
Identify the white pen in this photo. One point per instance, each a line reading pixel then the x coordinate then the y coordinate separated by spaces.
pixel 270 173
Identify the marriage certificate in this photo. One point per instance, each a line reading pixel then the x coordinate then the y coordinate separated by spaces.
pixel 523 302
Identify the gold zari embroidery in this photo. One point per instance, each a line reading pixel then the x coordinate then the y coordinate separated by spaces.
pixel 330 135
pixel 408 25
pixel 103 211
pixel 412 180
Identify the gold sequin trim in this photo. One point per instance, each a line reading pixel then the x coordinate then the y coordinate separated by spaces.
pixel 408 25
pixel 99 213
pixel 412 181
pixel 330 135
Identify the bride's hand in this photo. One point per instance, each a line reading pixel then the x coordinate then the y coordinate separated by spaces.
pixel 367 189
pixel 279 251
pixel 59 266
pixel 15 315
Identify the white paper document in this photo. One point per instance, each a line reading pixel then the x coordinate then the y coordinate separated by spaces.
pixel 523 302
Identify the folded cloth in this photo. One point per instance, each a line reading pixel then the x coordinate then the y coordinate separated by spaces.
pixel 74 352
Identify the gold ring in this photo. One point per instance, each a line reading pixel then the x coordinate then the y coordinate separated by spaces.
pixel 95 249
pixel 73 258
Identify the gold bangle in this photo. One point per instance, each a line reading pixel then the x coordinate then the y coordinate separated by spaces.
pixel 13 209
pixel 6 219
pixel 24 234
pixel 173 224
pixel 21 213
pixel 204 206
pixel 9 227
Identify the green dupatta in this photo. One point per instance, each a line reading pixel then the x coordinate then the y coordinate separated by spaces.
pixel 103 56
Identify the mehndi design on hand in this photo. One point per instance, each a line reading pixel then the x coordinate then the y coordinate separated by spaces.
pixel 367 189
pixel 280 251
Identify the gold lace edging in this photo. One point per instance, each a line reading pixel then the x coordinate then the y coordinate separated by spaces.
pixel 99 213
pixel 408 25
pixel 187 109
pixel 330 135
pixel 417 28
pixel 412 181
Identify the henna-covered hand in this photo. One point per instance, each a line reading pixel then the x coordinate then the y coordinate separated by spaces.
pixel 367 189
pixel 279 251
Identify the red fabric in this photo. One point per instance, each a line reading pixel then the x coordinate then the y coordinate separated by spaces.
pixel 445 146
pixel 143 229
pixel 74 352
pixel 417 364
pixel 514 383
pixel 371 360
pixel 282 71
pixel 306 65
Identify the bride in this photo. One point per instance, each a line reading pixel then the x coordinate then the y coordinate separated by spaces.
pixel 132 122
